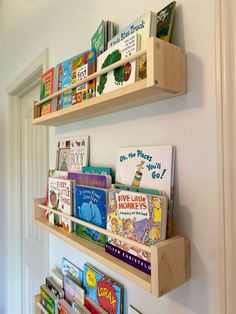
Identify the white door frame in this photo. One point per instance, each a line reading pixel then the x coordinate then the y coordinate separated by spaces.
pixel 28 79
pixel 225 26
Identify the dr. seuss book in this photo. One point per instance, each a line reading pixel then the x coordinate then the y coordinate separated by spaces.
pixel 47 88
pixel 96 180
pixel 69 268
pixel 139 217
pixel 91 206
pixel 72 153
pixel 103 290
pixel 48 300
pixel 145 27
pixel 60 197
pixel 165 19
pixel 123 75
pixel 73 290
pixel 82 67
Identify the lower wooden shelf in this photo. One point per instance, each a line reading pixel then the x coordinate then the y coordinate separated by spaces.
pixel 170 258
pixel 38 307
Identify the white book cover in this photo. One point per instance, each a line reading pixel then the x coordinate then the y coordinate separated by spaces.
pixel 145 26
pixel 123 75
pixel 78 151
pixel 148 167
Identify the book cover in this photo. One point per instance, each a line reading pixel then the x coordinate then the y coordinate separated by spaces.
pixel 81 68
pixel 48 300
pixel 94 180
pixel 47 88
pixel 98 39
pixel 93 307
pixel 137 216
pixel 123 75
pixel 91 206
pixel 73 290
pixel 145 27
pixel 136 189
pixel 78 307
pixel 60 197
pixel 97 170
pixel 69 268
pixel 165 19
pixel 103 290
pixel 72 153
pixel 65 308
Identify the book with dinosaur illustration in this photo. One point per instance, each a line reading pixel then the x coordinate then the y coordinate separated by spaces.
pixel 47 88
pixel 82 67
pixel 103 290
pixel 138 216
pixel 60 197
pixel 91 206
pixel 72 153
pixel 165 18
pixel 123 75
pixel 145 27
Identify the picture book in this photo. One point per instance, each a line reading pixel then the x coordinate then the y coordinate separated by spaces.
pixel 165 19
pixel 95 180
pixel 64 307
pixel 132 310
pixel 69 268
pixel 91 206
pixel 48 300
pixel 136 189
pixel 137 216
pixel 82 67
pixel 93 306
pixel 55 288
pixel 47 88
pixel 103 290
pixel 57 276
pixel 123 75
pixel 97 170
pixel 145 27
pixel 78 307
pixel 60 197
pixel 73 290
pixel 72 153
pixel 57 174
pixel 98 39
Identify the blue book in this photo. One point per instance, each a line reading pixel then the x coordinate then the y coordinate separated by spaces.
pixel 103 290
pixel 91 205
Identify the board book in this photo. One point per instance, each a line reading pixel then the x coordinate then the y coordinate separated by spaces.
pixel 103 290
pixel 165 19
pixel 73 290
pixel 47 88
pixel 77 149
pixel 60 197
pixel 97 170
pixel 78 307
pixel 69 268
pixel 64 307
pixel 48 300
pixel 91 206
pixel 145 27
pixel 54 287
pixel 139 217
pixel 94 180
pixel 123 75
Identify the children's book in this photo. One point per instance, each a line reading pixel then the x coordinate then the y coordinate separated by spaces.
pixel 47 88
pixel 103 290
pixel 97 170
pixel 78 307
pixel 57 276
pixel 95 180
pixel 93 307
pixel 145 27
pixel 82 67
pixel 91 206
pixel 123 75
pixel 54 287
pixel 48 300
pixel 69 268
pixel 72 153
pixel 136 189
pixel 60 197
pixel 137 216
pixel 57 174
pixel 65 308
pixel 98 39
pixel 73 290
pixel 165 19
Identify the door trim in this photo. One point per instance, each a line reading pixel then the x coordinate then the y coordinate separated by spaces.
pixel 28 79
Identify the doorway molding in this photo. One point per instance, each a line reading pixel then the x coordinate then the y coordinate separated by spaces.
pixel 23 83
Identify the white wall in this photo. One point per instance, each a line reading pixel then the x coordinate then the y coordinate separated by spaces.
pixel 188 122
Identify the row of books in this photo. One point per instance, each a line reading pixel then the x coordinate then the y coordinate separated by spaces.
pixel 138 205
pixel 107 47
pixel 89 291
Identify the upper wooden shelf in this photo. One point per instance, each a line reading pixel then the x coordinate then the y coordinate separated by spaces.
pixel 166 77
pixel 169 258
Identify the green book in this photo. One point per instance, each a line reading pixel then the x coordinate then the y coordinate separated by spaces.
pixel 165 19
pixel 98 39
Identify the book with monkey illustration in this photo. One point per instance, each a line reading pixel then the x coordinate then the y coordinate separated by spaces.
pixel 138 216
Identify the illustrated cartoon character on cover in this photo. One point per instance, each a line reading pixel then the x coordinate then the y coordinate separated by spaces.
pixel 55 203
pixel 157 210
pixel 129 228
pixel 90 213
pixel 154 234
pixel 138 174
pixel 90 277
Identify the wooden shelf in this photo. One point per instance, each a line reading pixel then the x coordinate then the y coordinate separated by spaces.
pixel 38 307
pixel 169 258
pixel 166 77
